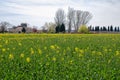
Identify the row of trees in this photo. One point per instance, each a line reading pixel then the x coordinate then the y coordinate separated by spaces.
pixel 77 18
pixel 104 28
pixel 73 20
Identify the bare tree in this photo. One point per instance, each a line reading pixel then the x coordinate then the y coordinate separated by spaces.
pixel 81 18
pixel 3 26
pixel 60 17
pixel 45 27
pixel 70 17
pixel 85 17
pixel 78 19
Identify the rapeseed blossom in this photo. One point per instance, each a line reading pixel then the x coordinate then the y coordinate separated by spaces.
pixel 54 59
pixel 39 51
pixel 28 59
pixel 3 50
pixel 71 62
pixel 21 55
pixel 20 44
pixel 76 49
pixel 52 47
pixel 32 51
pixel 117 53
pixel 11 56
pixel 81 51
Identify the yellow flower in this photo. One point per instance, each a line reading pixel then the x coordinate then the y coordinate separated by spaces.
pixel 117 53
pixel 28 59
pixel 11 56
pixel 39 51
pixel 21 55
pixel 3 50
pixel 54 59
pixel 70 62
pixel 32 52
pixel 19 44
pixel 52 47
pixel 76 49
pixel 81 51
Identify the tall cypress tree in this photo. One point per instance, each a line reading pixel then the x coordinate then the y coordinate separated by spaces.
pixel 57 29
pixel 115 29
pixel 62 28
pixel 108 28
pixel 23 30
pixel 111 28
pixel 118 29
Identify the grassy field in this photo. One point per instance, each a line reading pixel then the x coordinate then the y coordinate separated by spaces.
pixel 60 56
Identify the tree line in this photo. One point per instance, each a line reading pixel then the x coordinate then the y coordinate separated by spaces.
pixel 73 20
pixel 104 28
pixel 62 21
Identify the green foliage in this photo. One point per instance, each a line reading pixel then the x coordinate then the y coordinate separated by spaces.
pixel 51 27
pixel 83 29
pixel 60 28
pixel 59 57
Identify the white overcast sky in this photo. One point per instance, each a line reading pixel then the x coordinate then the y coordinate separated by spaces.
pixel 37 12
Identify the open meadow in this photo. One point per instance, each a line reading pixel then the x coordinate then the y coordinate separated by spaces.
pixel 60 56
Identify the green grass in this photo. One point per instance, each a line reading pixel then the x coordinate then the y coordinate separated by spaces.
pixel 60 57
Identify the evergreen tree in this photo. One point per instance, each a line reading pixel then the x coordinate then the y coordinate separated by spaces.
pixel 115 29
pixel 111 28
pixel 23 30
pixel 62 28
pixel 108 28
pixel 97 28
pixel 92 29
pixel 118 29
pixel 57 29
pixel 101 29
pixel 104 28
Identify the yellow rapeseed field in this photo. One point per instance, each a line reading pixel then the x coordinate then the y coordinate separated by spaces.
pixel 60 56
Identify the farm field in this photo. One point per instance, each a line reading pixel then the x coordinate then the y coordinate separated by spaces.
pixel 60 57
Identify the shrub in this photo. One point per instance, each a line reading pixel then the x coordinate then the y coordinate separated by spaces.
pixel 83 29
